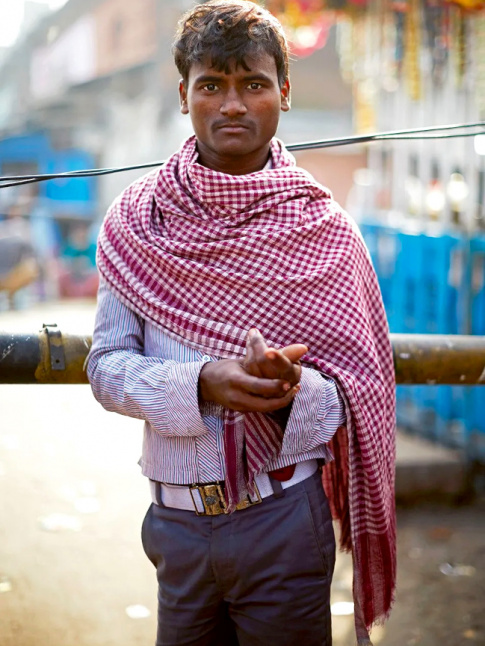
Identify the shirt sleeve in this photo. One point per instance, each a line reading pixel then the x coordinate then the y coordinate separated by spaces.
pixel 162 392
pixel 316 413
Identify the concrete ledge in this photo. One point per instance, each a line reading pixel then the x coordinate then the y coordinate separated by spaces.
pixel 429 472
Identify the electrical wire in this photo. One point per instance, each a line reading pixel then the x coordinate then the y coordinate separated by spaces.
pixel 430 132
pixel 311 145
pixel 411 133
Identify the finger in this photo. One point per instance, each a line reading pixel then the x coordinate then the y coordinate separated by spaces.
pixel 253 368
pixel 257 344
pixel 272 363
pixel 259 364
pixel 279 366
pixel 249 362
pixel 249 403
pixel 295 351
pixel 279 403
pixel 262 387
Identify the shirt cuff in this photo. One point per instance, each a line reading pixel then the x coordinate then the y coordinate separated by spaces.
pixel 208 408
pixel 308 403
pixel 183 415
pixel 316 414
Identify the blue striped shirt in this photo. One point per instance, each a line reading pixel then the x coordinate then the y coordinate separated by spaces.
pixel 136 369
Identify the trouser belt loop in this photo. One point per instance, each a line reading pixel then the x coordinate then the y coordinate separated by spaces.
pixel 158 493
pixel 277 487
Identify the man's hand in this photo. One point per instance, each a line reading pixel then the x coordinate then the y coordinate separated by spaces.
pixel 265 380
pixel 228 383
pixel 261 361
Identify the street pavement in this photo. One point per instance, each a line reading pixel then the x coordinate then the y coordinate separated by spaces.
pixel 72 500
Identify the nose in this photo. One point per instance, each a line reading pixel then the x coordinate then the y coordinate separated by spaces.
pixel 233 105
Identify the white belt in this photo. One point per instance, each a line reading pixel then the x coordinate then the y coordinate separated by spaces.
pixel 183 497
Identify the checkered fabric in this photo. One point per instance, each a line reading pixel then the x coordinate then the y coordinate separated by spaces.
pixel 206 256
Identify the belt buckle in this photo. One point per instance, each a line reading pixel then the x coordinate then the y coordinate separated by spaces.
pixel 214 501
pixel 212 497
pixel 247 502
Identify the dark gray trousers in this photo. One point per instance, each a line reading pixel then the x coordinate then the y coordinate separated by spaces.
pixel 257 577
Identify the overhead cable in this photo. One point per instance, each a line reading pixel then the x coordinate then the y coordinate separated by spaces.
pixel 430 132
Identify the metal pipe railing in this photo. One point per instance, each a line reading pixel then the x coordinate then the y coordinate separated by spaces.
pixel 54 357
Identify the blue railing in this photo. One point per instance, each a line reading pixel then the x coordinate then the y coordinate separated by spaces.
pixel 434 284
pixel 75 197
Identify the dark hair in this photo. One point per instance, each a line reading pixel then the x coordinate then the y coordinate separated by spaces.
pixel 224 30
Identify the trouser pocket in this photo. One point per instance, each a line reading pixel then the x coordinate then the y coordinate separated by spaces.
pixel 323 532
pixel 145 534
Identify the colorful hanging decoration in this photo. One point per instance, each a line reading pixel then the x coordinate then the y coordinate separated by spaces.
pixel 459 44
pixel 412 49
pixel 479 49
pixel 436 22
pixel 469 5
pixel 346 49
pixel 301 11
pixel 366 73
pixel 307 39
pixel 306 22
pixel 399 10
pixel 413 40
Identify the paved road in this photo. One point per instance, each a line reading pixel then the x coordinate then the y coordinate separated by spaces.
pixel 72 501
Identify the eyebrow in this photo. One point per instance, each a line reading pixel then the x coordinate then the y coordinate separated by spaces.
pixel 207 78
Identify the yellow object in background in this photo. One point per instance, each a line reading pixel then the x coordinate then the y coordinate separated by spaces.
pixel 412 45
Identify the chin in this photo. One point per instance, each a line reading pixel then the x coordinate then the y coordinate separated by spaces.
pixel 239 145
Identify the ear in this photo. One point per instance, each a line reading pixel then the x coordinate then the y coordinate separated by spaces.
pixel 286 96
pixel 184 107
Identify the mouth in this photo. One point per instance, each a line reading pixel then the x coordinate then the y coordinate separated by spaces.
pixel 233 128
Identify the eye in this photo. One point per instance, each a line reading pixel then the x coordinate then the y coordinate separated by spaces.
pixel 255 86
pixel 210 87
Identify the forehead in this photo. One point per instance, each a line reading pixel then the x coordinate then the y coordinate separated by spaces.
pixel 263 63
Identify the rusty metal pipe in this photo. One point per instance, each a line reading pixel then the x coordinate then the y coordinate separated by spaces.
pixel 45 357
pixel 52 357
pixel 439 359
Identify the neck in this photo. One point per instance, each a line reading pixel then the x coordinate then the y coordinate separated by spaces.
pixel 233 164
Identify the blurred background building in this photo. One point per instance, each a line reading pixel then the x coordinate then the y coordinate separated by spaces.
pixel 93 84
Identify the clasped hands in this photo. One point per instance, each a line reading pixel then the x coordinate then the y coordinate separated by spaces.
pixel 265 380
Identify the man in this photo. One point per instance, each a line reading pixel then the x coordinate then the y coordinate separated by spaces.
pixel 220 272
pixel 18 263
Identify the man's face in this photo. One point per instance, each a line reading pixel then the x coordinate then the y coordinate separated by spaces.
pixel 234 115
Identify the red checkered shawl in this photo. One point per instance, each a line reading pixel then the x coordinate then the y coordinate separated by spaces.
pixel 206 256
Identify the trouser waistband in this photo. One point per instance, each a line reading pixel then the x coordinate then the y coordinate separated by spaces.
pixel 208 498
